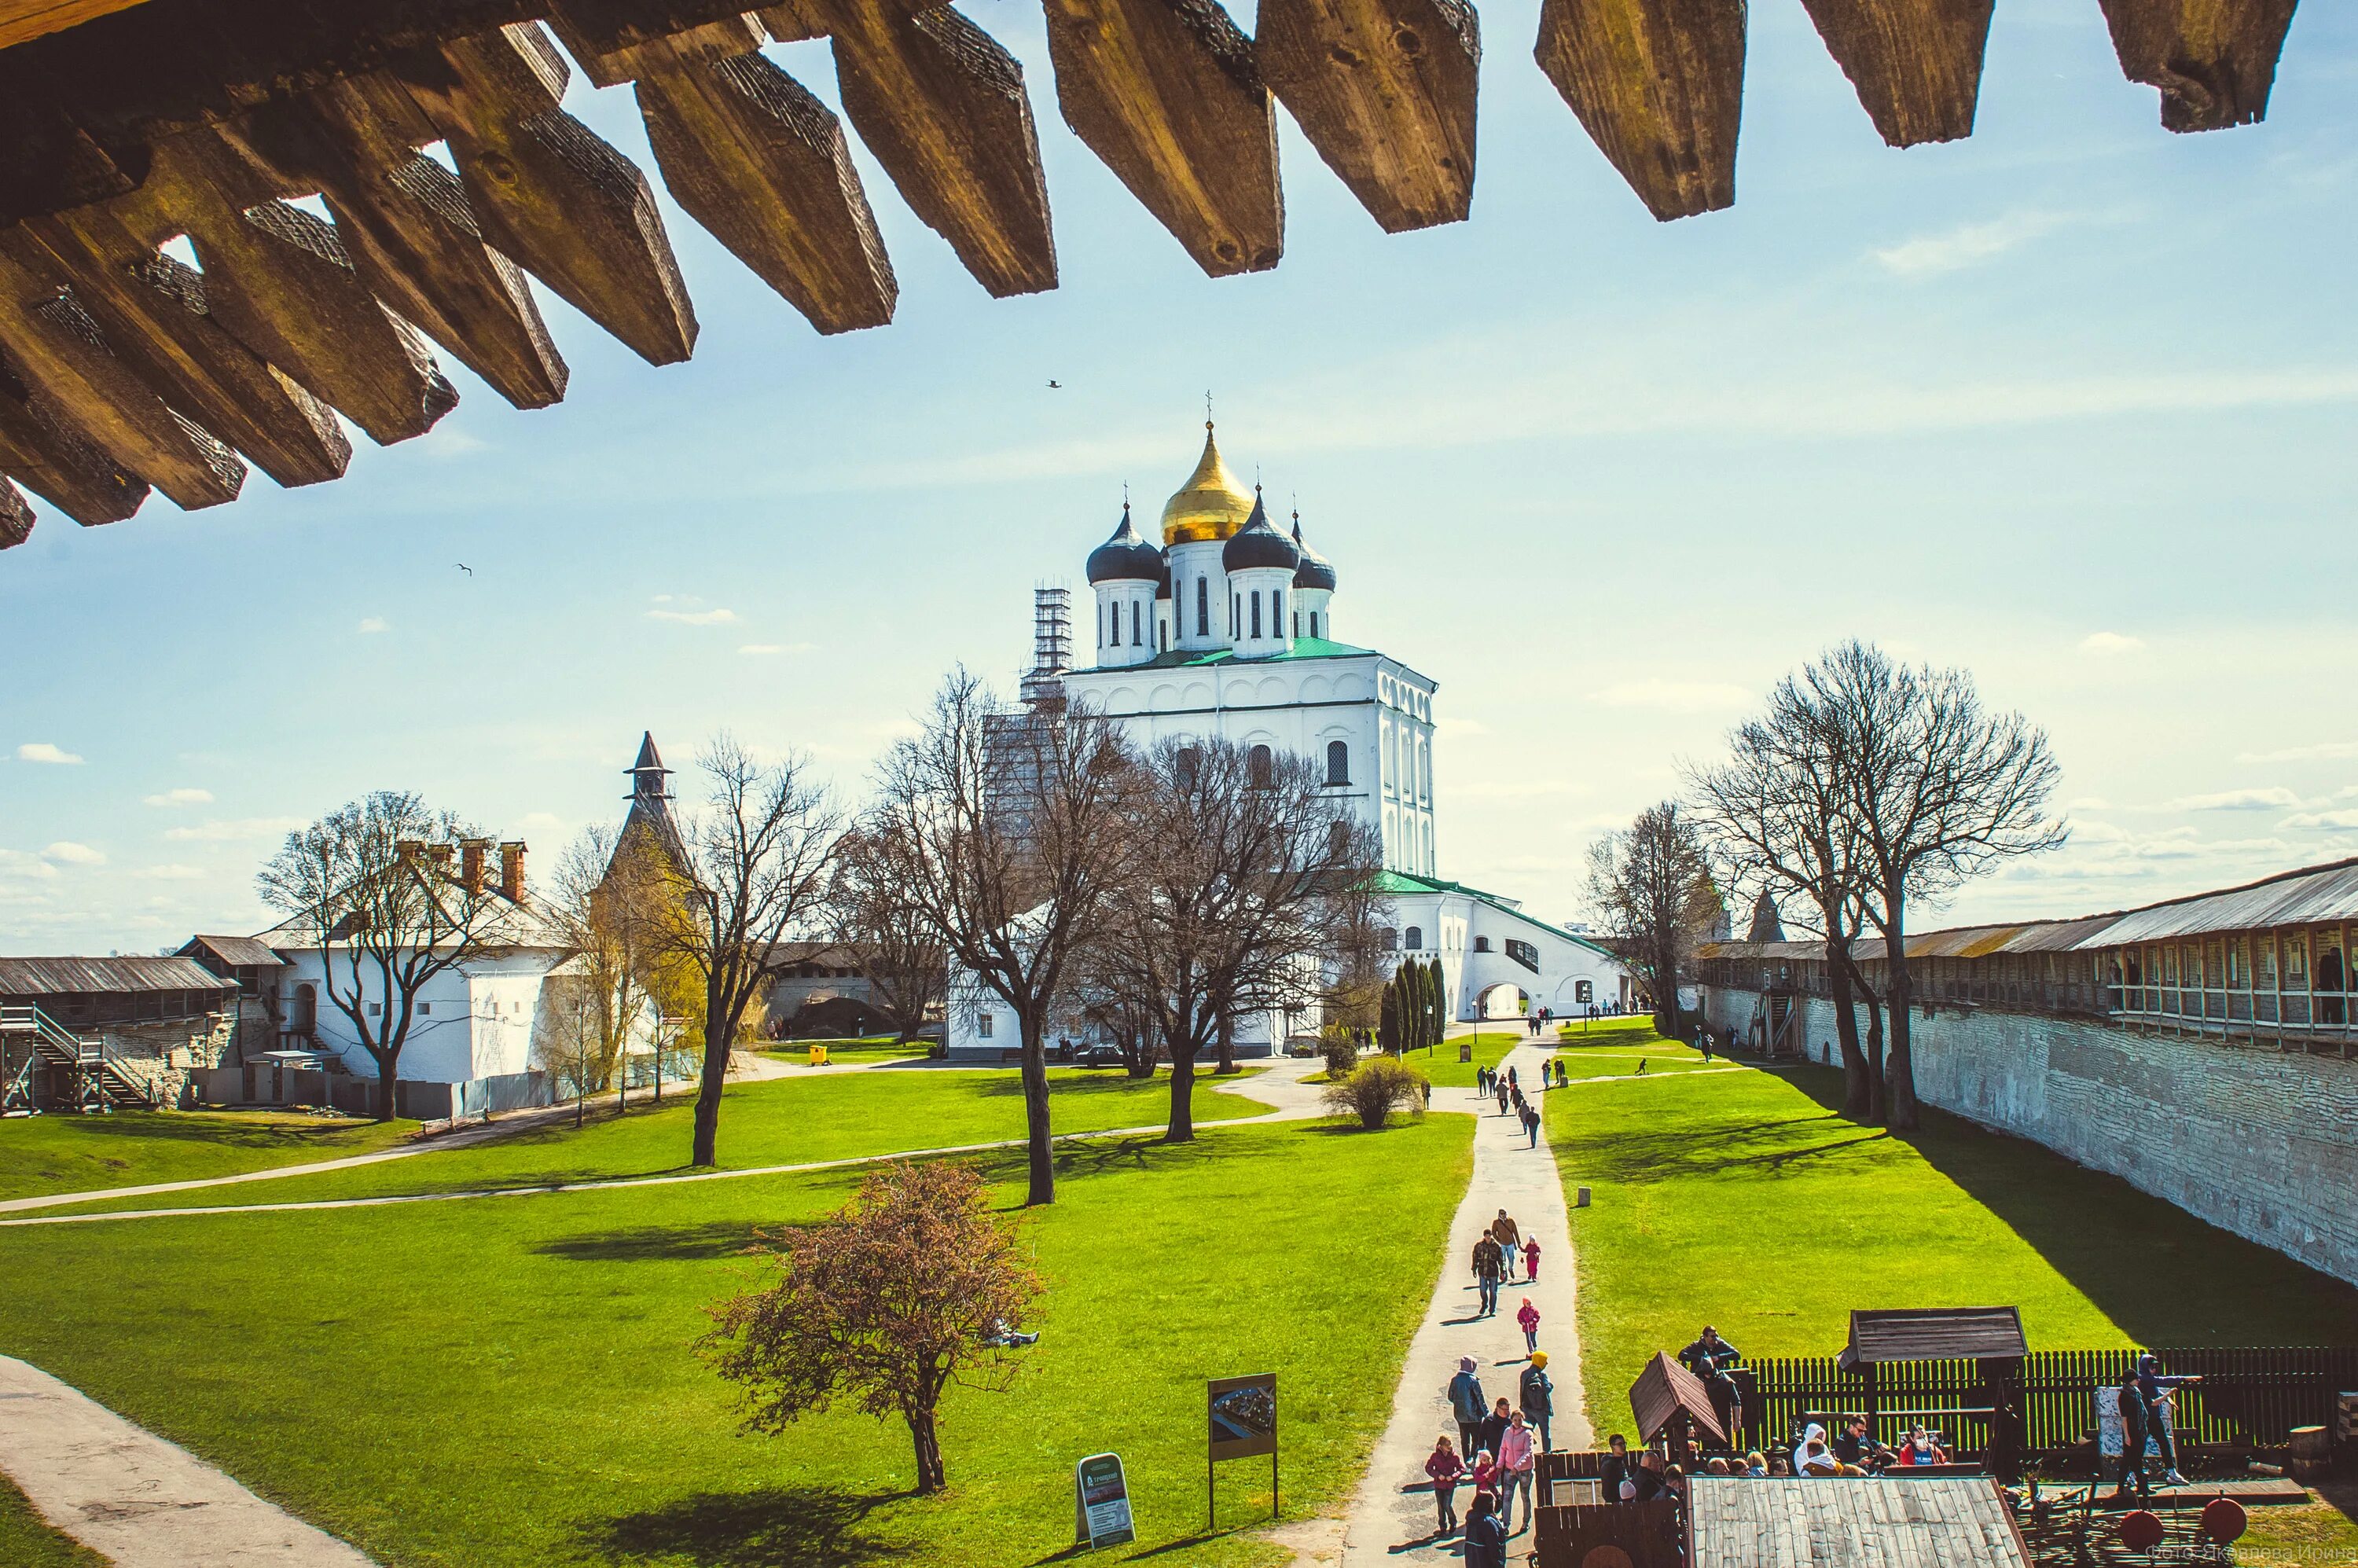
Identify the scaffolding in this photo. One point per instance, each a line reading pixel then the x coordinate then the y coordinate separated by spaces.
pixel 1052 644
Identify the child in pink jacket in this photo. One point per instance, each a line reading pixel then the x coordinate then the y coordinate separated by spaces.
pixel 1531 1262
pixel 1529 1318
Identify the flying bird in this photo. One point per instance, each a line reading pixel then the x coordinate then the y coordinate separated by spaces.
pixel 1058 385
pixel 464 567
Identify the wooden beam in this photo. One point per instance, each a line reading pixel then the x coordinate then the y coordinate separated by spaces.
pixel 280 280
pixel 41 450
pixel 2214 60
pixel 406 222
pixel 1917 64
pixel 152 309
pixel 551 195
pixel 1659 86
pixel 56 350
pixel 1385 90
pixel 24 20
pixel 16 517
pixel 1168 94
pixel 944 108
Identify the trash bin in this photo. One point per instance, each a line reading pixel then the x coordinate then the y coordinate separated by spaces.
pixel 819 1055
pixel 1466 1050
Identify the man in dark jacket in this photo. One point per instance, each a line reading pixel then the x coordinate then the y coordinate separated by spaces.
pixel 1468 1405
pixel 1486 1536
pixel 1489 1267
pixel 1539 1396
pixel 2133 1435
pixel 1709 1358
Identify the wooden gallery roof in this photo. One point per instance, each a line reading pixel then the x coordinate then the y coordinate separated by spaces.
pixel 128 124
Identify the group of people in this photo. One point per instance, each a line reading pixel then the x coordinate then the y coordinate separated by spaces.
pixel 2145 1397
pixel 1500 1247
pixel 1538 1018
pixel 1497 1450
pixel 1855 1452
pixel 1506 1088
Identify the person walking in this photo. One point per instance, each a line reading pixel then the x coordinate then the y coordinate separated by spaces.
pixel 1467 1403
pixel 1511 1241
pixel 1493 1430
pixel 1518 1468
pixel 1526 1318
pixel 1445 1469
pixel 1500 1086
pixel 1486 1539
pixel 2154 1389
pixel 1530 1125
pixel 2133 1437
pixel 1489 1267
pixel 1538 1398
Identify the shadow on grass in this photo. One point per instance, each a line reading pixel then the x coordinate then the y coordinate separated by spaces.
pixel 776 1527
pixel 176 1127
pixel 659 1244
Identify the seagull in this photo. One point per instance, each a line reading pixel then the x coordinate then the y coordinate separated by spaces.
pixel 464 567
pixel 1058 385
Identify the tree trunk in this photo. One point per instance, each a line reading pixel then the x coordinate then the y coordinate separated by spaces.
pixel 1183 1096
pixel 1900 1067
pixel 718 1030
pixel 581 1103
pixel 386 1067
pixel 929 1444
pixel 1858 1096
pixel 1874 1053
pixel 1228 1044
pixel 1036 1138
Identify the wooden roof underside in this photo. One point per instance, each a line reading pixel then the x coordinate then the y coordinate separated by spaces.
pixel 126 125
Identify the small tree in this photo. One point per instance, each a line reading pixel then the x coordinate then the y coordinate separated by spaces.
pixel 888 1302
pixel 1387 1020
pixel 606 905
pixel 1340 1050
pixel 1652 889
pixel 1378 1088
pixel 887 936
pixel 1436 996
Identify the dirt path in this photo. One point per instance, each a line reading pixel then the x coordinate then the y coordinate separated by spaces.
pixel 134 1499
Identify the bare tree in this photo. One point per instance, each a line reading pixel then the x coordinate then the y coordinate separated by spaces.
pixel 1003 831
pixel 374 887
pixel 1939 788
pixel 1651 890
pixel 758 855
pixel 1240 899
pixel 887 937
pixel 606 905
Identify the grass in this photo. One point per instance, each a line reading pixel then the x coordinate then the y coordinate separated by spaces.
pixel 1745 1200
pixel 868 1048
pixel 457 1384
pixel 41 1154
pixel 775 1121
pixel 27 1542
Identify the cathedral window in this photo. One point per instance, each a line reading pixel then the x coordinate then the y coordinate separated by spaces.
pixel 1256 612
pixel 1297 623
pixel 1313 623
pixel 1133 621
pixel 1338 841
pixel 1277 613
pixel 1258 763
pixel 1189 757
pixel 1415 938
pixel 1338 762
pixel 1202 607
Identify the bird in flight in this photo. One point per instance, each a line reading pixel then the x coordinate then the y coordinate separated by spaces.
pixel 464 567
pixel 1058 385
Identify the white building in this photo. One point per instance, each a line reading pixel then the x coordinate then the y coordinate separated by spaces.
pixel 1228 630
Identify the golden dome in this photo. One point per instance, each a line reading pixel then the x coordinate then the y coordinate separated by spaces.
pixel 1210 505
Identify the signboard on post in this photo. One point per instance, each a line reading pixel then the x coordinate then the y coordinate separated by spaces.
pixel 1101 1502
pixel 1243 1413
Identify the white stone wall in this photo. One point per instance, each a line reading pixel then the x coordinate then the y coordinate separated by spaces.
pixel 1127 631
pixel 478 1022
pixel 2255 1141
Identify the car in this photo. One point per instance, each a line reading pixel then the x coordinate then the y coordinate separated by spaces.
pixel 1098 1056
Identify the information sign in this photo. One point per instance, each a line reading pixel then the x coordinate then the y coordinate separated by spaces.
pixel 1101 1502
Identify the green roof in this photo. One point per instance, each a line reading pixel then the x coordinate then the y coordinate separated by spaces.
pixel 1182 658
pixel 1409 881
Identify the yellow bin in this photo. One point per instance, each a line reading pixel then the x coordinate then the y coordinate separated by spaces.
pixel 819 1055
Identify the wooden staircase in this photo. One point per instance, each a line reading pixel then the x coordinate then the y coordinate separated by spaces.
pixel 96 1080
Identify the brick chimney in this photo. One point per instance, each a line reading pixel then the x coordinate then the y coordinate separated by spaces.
pixel 411 851
pixel 439 856
pixel 512 871
pixel 472 854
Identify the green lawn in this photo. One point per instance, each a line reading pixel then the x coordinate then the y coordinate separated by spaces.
pixel 27 1542
pixel 1743 1200
pixel 775 1121
pixel 129 1148
pixel 510 1382
pixel 868 1048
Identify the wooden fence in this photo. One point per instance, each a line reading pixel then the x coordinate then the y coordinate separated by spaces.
pixel 2247 1397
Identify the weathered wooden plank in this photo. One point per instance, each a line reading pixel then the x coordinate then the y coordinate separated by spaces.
pixel 758 160
pixel 57 352
pixel 21 20
pixel 613 42
pixel 406 222
pixel 15 516
pixel 280 280
pixel 1659 86
pixel 2214 60
pixel 1385 90
pixel 1917 64
pixel 152 309
pixel 944 108
pixel 1167 93
pixel 576 213
pixel 43 452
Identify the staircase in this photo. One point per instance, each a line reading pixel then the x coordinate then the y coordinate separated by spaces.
pixel 30 1039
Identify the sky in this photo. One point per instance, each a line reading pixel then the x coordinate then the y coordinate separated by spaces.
pixel 2070 404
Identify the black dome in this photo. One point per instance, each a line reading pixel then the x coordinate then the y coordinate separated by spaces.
pixel 1125 557
pixel 1258 545
pixel 1316 570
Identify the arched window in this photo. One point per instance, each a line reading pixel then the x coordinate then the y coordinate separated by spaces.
pixel 1391 939
pixel 1189 758
pixel 1256 612
pixel 1257 764
pixel 1236 614
pixel 1313 623
pixel 1338 841
pixel 1202 607
pixel 1134 638
pixel 1481 944
pixel 1415 938
pixel 1277 613
pixel 1338 762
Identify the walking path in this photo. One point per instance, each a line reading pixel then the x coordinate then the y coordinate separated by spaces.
pixel 1393 1516
pixel 134 1499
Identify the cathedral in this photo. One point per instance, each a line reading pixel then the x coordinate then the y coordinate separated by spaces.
pixel 1226 628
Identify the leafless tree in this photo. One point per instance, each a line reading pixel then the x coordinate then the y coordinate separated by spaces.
pixel 1652 890
pixel 605 905
pixel 887 937
pixel 374 887
pixel 758 855
pixel 1238 900
pixel 1939 788
pixel 1005 832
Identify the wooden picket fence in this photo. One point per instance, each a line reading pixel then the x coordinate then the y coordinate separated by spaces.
pixel 2248 1397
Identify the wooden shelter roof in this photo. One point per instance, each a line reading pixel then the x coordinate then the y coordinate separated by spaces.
pixel 126 125
pixel 1934 1334
pixel 1867 1521
pixel 111 976
pixel 1664 1391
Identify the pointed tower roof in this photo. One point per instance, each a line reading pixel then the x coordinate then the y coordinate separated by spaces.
pixel 1766 926
pixel 650 812
pixel 1125 557
pixel 1212 504
pixel 649 761
pixel 1316 570
pixel 1258 543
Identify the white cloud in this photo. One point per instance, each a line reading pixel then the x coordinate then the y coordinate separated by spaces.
pixel 2320 819
pixel 760 649
pixel 694 617
pixel 172 873
pixel 44 751
pixel 1967 245
pixel 372 624
pixel 2276 797
pixel 2088 802
pixel 1677 696
pixel 232 830
pixel 2312 753
pixel 66 853
pixel 2109 644
pixel 182 796
pixel 18 864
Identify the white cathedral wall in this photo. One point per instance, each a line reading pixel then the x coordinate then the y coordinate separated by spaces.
pixel 1190 562
pixel 1126 630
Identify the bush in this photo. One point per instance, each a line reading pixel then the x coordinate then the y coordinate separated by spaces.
pixel 1341 1051
pixel 1379 1088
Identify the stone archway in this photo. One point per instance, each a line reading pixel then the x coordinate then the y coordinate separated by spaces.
pixel 1505 999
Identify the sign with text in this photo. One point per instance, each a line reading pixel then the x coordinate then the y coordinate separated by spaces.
pixel 1101 1501
pixel 1244 1415
pixel 2112 1436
